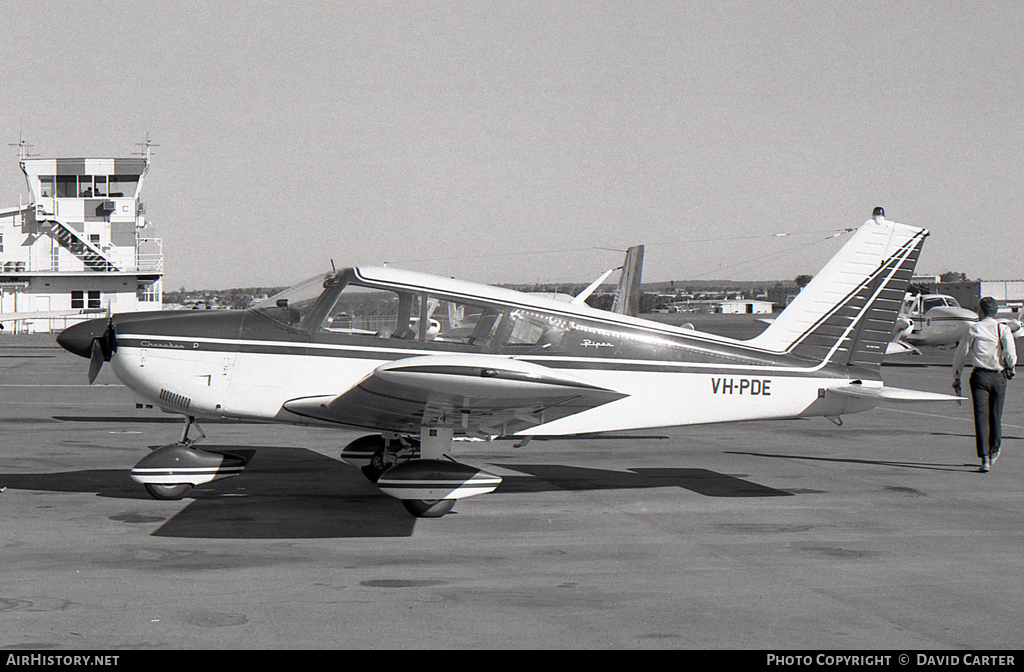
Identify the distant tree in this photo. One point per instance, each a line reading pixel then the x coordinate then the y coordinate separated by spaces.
pixel 952 276
pixel 803 280
pixel 647 302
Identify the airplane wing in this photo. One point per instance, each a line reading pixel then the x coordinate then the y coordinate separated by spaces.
pixel 476 395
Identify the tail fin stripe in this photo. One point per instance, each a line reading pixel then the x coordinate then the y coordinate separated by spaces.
pixel 874 298
pixel 847 303
pixel 848 311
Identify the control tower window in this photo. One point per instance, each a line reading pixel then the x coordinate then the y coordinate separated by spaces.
pixel 100 188
pixel 85 186
pixel 67 186
pixel 46 186
pixel 123 185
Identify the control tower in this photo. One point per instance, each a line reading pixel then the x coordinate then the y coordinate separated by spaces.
pixel 78 249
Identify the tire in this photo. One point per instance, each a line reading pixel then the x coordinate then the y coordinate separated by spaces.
pixel 168 492
pixel 428 508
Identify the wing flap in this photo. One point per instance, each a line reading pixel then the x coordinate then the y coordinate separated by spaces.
pixel 474 394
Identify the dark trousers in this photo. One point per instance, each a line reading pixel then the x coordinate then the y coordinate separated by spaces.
pixel 988 390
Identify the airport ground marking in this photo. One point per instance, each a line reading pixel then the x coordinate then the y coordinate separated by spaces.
pixel 944 417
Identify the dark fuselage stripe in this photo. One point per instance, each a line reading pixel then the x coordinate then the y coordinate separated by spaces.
pixel 185 345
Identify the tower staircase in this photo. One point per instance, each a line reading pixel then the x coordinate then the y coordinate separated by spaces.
pixel 91 256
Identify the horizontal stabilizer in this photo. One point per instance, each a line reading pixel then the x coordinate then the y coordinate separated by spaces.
pixel 896 394
pixel 901 348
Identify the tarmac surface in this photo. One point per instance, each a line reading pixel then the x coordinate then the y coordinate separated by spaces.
pixel 799 534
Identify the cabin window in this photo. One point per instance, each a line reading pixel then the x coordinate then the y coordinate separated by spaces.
pixel 453 321
pixel 940 302
pixel 378 313
pixel 530 328
pixel 94 299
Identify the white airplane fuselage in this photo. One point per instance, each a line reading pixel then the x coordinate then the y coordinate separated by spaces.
pixel 242 379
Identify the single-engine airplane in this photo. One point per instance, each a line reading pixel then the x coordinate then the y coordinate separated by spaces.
pixel 419 361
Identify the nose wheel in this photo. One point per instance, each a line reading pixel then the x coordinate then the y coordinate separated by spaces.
pixel 170 472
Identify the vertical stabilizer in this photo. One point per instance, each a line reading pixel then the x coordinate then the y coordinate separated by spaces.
pixel 627 295
pixel 847 313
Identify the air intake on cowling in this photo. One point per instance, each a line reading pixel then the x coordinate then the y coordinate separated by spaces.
pixel 173 399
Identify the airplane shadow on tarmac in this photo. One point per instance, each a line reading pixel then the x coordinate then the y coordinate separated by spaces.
pixel 294 493
pixel 904 464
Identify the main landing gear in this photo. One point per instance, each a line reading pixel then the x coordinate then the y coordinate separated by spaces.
pixel 168 492
pixel 170 472
pixel 412 470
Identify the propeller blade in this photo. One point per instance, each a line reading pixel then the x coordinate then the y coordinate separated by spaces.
pixel 96 361
pixel 109 340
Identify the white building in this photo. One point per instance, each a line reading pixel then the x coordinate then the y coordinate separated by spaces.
pixel 1006 292
pixel 79 246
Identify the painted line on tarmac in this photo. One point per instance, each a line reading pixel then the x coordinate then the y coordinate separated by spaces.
pixel 60 385
pixel 944 417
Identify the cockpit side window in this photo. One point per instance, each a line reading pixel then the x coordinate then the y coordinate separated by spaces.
pixel 378 313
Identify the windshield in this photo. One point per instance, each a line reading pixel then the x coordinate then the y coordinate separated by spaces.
pixel 291 305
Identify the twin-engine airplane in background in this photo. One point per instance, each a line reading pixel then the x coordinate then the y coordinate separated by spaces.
pixel 420 361
pixel 938 320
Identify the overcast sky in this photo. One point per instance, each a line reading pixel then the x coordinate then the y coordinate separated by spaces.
pixel 526 141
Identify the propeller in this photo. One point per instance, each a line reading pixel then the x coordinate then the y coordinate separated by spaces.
pixel 96 360
pixel 93 339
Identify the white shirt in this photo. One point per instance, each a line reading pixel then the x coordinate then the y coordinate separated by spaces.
pixel 988 345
